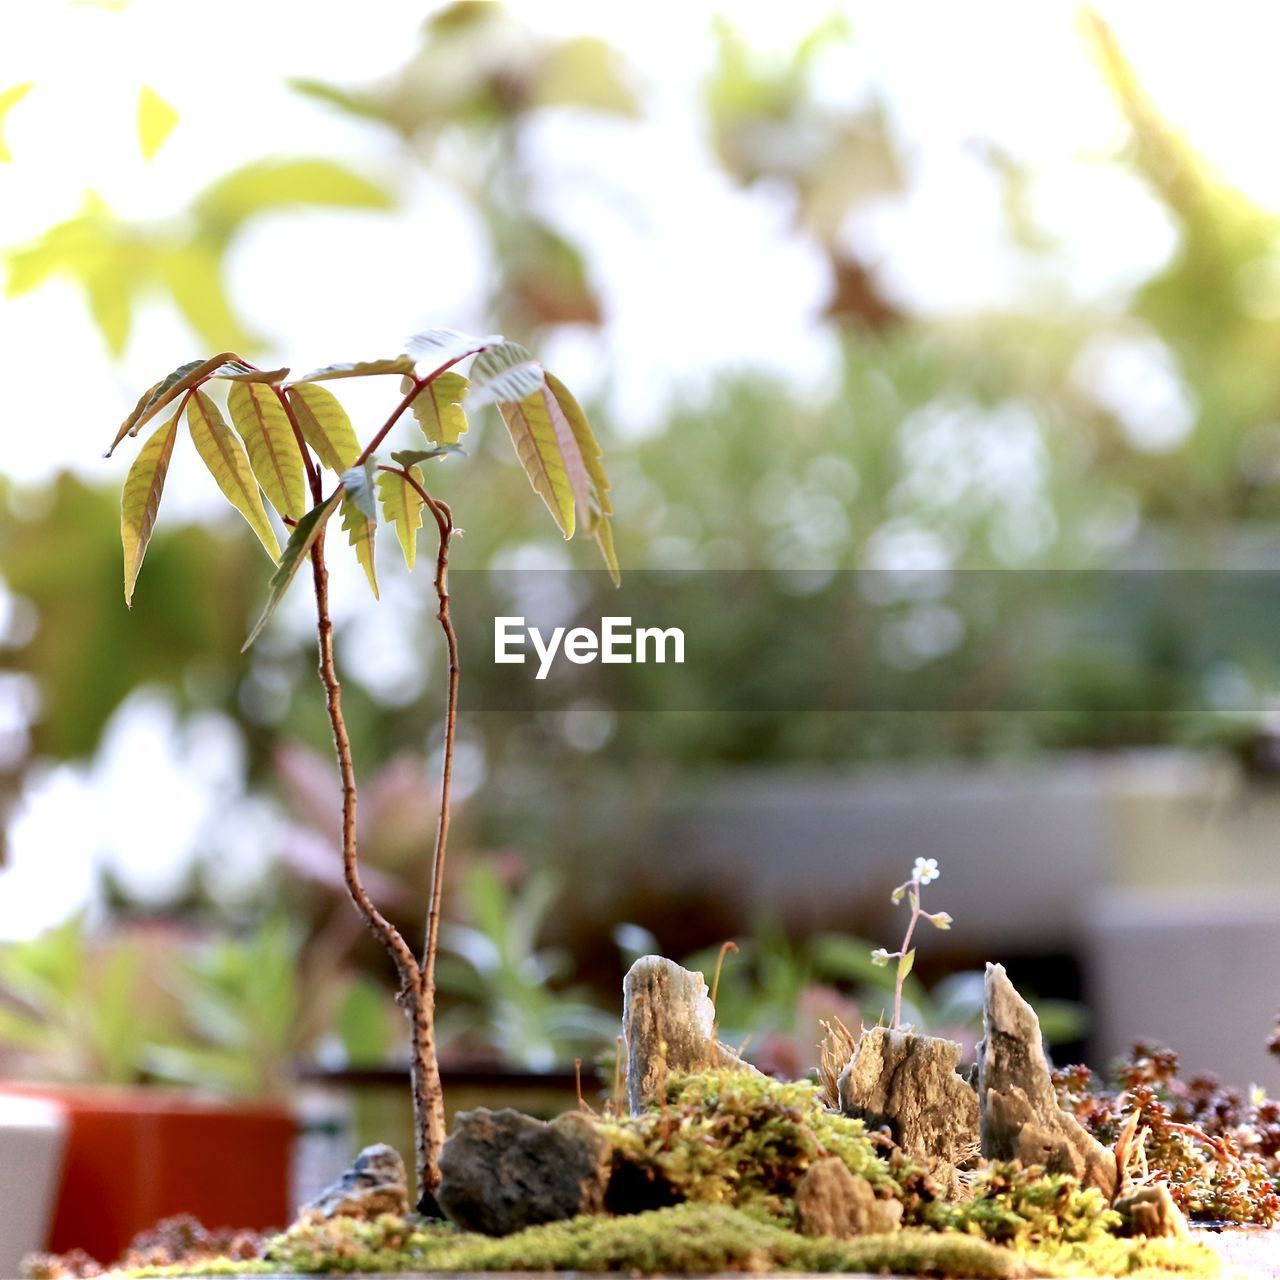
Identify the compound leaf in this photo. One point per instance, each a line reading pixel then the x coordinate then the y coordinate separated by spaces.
pixel 438 407
pixel 325 425
pixel 229 465
pixel 402 505
pixel 264 426
pixel 140 499
pixel 305 532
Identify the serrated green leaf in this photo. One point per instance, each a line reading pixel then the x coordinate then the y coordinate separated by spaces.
pixel 360 534
pixel 229 465
pixel 358 482
pixel 264 426
pixel 433 347
pixel 140 499
pixel 411 457
pixel 438 407
pixel 324 425
pixel 9 98
pixel 906 964
pixel 402 505
pixel 305 532
pixel 359 369
pixel 502 373
pixel 165 391
pixel 156 120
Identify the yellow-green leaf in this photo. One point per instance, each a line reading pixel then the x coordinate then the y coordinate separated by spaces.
pixel 166 391
pixel 140 499
pixel 9 98
pixel 360 369
pixel 906 964
pixel 260 419
pixel 438 407
pixel 304 535
pixel 156 119
pixel 227 461
pixel 599 508
pixel 360 530
pixel 402 504
pixel 325 425
pixel 537 441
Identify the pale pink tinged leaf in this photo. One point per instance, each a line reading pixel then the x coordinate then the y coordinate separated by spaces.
pixel 140 499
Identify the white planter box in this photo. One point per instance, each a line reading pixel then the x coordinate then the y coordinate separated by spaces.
pixel 32 1135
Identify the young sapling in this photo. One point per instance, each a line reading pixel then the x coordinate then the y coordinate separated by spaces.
pixel 287 434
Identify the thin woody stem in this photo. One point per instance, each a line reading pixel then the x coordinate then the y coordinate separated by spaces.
pixel 379 925
pixel 428 1096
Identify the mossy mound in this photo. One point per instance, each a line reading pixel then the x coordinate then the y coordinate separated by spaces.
pixel 732 1138
pixel 687 1239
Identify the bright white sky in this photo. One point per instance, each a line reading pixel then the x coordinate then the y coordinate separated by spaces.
pixel 680 302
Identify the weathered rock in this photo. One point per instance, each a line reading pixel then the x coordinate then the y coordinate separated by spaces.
pixel 1151 1211
pixel 374 1184
pixel 668 1022
pixel 910 1084
pixel 1020 1116
pixel 502 1171
pixel 832 1201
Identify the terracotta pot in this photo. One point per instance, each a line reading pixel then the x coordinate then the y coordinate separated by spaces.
pixel 134 1156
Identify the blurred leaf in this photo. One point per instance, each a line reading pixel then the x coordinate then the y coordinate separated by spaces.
pixel 266 186
pixel 584 72
pixel 156 120
pixel 360 369
pixel 193 272
pixel 402 506
pixel 324 425
pixel 906 964
pixel 438 407
pixel 360 534
pixel 264 425
pixel 228 463
pixel 366 1024
pixel 9 98
pixel 503 372
pixel 140 499
pixel 305 532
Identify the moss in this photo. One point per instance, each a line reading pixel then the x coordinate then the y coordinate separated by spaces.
pixel 688 1239
pixel 1111 1256
pixel 729 1137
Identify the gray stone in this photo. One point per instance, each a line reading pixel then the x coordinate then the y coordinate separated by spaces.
pixel 1020 1116
pixel 1150 1211
pixel 375 1184
pixel 832 1201
pixel 502 1171
pixel 668 1022
pixel 910 1084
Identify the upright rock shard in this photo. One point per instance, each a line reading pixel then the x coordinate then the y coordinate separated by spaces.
pixel 910 1083
pixel 668 1022
pixel 1020 1116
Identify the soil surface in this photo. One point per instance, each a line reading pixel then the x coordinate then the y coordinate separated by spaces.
pixel 1250 1252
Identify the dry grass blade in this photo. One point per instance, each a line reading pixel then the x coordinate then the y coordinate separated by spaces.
pixel 835 1051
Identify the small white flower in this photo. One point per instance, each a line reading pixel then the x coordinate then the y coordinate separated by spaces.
pixel 925 870
pixel 880 958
